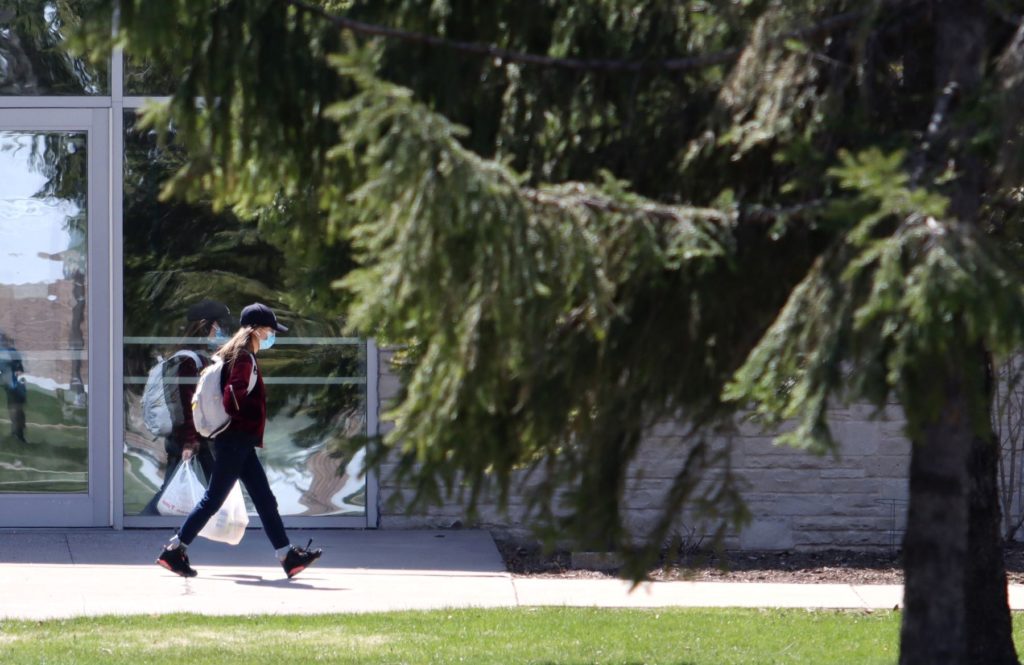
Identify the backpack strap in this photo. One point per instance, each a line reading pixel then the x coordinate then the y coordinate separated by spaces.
pixel 252 377
pixel 191 355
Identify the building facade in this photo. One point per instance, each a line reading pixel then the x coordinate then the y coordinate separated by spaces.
pixel 98 275
pixel 856 499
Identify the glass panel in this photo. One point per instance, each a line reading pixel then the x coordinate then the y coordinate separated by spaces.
pixel 177 256
pixel 43 319
pixel 147 78
pixel 33 60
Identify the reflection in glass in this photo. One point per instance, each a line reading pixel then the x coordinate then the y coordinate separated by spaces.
pixel 33 58
pixel 43 325
pixel 147 78
pixel 179 255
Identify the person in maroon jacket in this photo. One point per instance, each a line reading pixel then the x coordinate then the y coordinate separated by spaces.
pixel 234 449
pixel 208 319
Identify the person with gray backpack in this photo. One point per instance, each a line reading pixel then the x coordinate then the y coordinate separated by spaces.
pixel 167 397
pixel 235 379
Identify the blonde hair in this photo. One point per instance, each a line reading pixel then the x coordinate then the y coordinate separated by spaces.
pixel 240 341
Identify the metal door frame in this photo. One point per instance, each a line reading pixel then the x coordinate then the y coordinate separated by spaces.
pixel 102 116
pixel 94 508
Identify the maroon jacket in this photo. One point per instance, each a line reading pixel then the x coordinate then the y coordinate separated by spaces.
pixel 186 432
pixel 248 410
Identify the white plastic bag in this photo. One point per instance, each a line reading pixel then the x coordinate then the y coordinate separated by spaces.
pixel 228 524
pixel 183 492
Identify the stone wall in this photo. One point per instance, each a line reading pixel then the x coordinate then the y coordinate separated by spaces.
pixel 798 501
pixel 855 499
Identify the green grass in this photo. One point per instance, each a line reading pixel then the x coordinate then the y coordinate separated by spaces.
pixel 523 635
pixel 56 457
pixel 138 490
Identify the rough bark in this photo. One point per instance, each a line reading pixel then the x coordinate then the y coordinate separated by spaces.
pixel 963 49
pixel 956 607
pixel 935 543
pixel 989 630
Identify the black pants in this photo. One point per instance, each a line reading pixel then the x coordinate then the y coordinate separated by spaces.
pixel 235 459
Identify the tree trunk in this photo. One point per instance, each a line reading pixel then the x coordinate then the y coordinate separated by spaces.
pixel 955 598
pixel 934 628
pixel 989 632
pixel 989 629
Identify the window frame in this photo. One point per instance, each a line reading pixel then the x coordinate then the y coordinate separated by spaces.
pixel 106 256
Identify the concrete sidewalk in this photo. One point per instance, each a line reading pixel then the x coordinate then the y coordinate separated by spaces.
pixel 67 573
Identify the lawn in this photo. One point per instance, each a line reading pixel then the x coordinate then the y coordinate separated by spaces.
pixel 523 635
pixel 56 456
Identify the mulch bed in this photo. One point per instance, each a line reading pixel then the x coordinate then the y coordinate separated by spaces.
pixel 830 566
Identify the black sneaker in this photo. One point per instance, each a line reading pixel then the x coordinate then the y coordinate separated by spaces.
pixel 299 559
pixel 176 561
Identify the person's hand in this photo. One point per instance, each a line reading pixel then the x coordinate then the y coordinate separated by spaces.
pixel 186 454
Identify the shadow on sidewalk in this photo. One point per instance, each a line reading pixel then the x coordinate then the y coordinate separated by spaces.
pixel 463 551
pixel 269 582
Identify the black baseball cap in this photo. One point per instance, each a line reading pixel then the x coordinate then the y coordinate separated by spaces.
pixel 208 310
pixel 257 315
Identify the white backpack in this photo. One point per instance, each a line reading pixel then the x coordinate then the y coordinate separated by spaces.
pixel 161 399
pixel 208 412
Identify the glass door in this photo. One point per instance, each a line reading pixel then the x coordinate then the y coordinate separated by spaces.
pixel 55 456
pixel 187 271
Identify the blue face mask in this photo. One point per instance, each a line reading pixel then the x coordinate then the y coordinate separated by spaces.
pixel 219 338
pixel 269 341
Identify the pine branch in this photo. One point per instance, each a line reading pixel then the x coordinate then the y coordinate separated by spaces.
pixel 577 64
pixel 578 195
pixel 765 214
pixel 935 126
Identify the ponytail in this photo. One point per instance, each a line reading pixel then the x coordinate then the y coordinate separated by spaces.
pixel 240 341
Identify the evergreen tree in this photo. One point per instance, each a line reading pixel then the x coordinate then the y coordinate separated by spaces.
pixel 754 204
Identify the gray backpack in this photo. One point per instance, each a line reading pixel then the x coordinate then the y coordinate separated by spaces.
pixel 162 410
